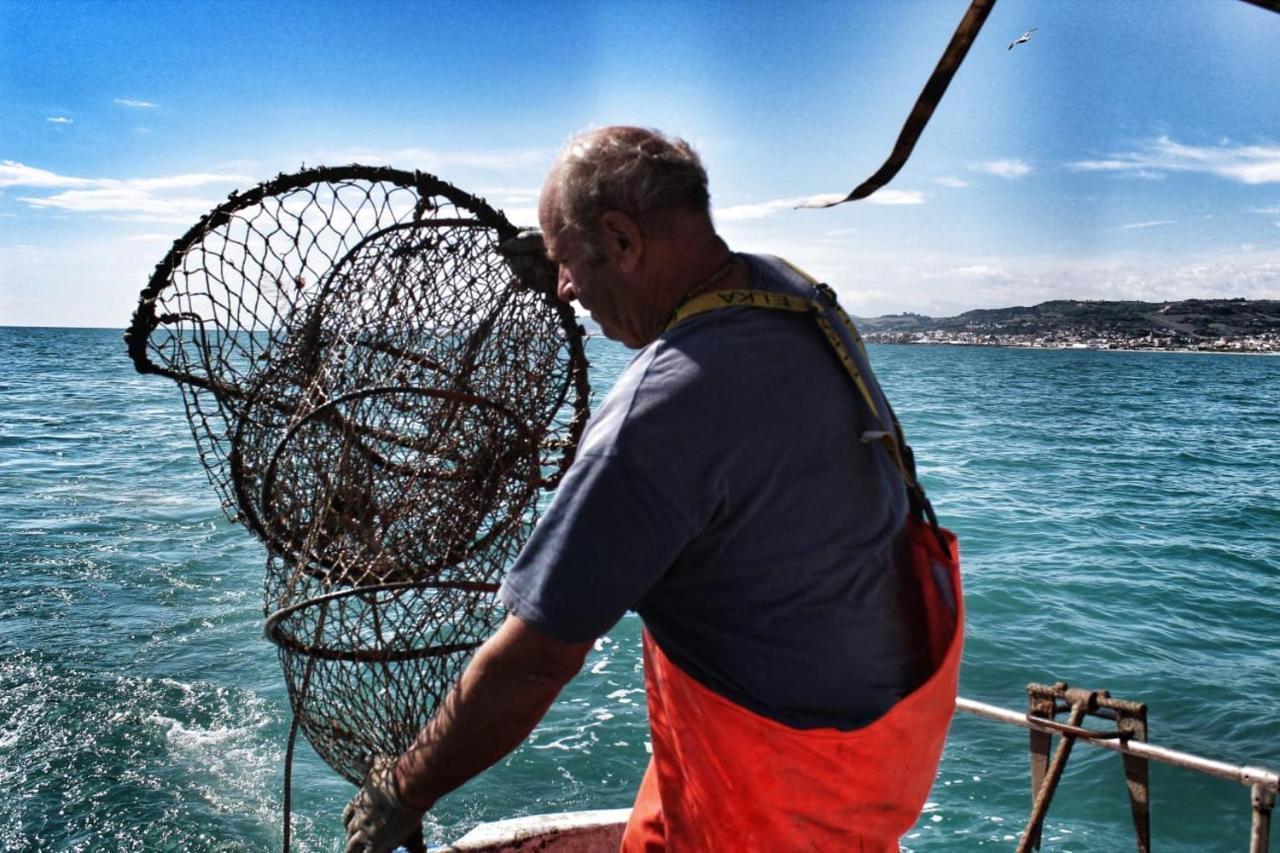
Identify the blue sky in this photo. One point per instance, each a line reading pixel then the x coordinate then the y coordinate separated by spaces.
pixel 1130 150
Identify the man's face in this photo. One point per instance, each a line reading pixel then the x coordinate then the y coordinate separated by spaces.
pixel 583 277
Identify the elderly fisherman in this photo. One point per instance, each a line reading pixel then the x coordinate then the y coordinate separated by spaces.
pixel 748 500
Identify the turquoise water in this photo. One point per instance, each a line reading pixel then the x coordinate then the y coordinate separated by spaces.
pixel 1119 515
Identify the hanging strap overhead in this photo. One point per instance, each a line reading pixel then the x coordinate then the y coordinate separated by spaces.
pixel 928 101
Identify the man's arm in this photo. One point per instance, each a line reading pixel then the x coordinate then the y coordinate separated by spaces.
pixel 503 693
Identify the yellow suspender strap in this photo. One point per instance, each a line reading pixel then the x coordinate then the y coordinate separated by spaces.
pixel 739 299
pixel 785 302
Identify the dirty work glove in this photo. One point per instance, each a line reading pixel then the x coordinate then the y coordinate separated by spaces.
pixel 377 820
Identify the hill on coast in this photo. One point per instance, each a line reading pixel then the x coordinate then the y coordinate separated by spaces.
pixel 1188 322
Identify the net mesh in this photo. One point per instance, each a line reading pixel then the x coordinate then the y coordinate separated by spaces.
pixel 380 383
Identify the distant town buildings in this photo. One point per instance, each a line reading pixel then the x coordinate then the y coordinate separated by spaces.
pixel 1092 339
pixel 1188 325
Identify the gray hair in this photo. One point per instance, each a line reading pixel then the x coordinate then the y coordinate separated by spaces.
pixel 639 172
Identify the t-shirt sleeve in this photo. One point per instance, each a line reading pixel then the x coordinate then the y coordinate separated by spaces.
pixel 610 533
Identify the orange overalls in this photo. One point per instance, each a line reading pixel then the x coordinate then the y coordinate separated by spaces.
pixel 723 778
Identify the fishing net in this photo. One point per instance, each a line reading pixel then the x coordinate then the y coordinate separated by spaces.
pixel 380 382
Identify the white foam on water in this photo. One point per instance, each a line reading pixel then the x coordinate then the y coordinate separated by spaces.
pixel 181 685
pixel 180 735
pixel 567 743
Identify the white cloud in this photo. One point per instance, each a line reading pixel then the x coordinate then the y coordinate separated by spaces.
pixel 161 197
pixel 1244 273
pixel 764 209
pixel 510 195
pixel 1129 168
pixel 135 105
pixel 818 201
pixel 120 200
pixel 1245 164
pixel 981 271
pixel 522 217
pixel 59 120
pixel 519 204
pixel 172 182
pixel 954 183
pixel 437 161
pixel 874 279
pixel 1152 224
pixel 55 286
pixel 896 197
pixel 1267 211
pixel 1007 168
pixel 19 175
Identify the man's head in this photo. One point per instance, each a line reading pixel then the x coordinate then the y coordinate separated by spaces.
pixel 617 203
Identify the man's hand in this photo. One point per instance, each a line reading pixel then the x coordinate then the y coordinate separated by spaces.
pixel 377 820
pixel 505 689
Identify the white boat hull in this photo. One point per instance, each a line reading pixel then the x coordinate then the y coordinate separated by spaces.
pixel 567 832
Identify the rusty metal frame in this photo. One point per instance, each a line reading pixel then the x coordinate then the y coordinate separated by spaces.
pixel 1129 739
pixel 1130 718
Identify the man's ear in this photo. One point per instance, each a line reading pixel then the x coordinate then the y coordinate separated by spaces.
pixel 624 241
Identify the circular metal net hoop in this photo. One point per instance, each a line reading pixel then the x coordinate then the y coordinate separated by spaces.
pixel 366 668
pixel 381 394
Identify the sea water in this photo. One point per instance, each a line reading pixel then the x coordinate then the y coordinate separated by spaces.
pixel 1119 519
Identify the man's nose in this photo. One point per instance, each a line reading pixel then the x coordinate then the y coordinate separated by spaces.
pixel 564 286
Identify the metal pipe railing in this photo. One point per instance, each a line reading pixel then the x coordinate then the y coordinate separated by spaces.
pixel 1264 784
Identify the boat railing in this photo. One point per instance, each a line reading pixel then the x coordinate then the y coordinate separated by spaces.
pixel 1127 735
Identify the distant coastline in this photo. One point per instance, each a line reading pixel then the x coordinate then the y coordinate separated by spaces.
pixel 1243 349
pixel 1227 326
pixel 1235 326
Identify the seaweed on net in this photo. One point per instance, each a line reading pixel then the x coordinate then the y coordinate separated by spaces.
pixel 379 386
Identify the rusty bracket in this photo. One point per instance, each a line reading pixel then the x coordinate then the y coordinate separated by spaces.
pixel 1044 703
pixel 1264 800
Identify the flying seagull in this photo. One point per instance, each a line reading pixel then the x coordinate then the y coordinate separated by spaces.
pixel 1022 39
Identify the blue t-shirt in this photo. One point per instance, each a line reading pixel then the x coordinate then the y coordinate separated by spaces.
pixel 722 491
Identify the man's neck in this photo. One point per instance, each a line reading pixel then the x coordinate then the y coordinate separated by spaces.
pixel 691 261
